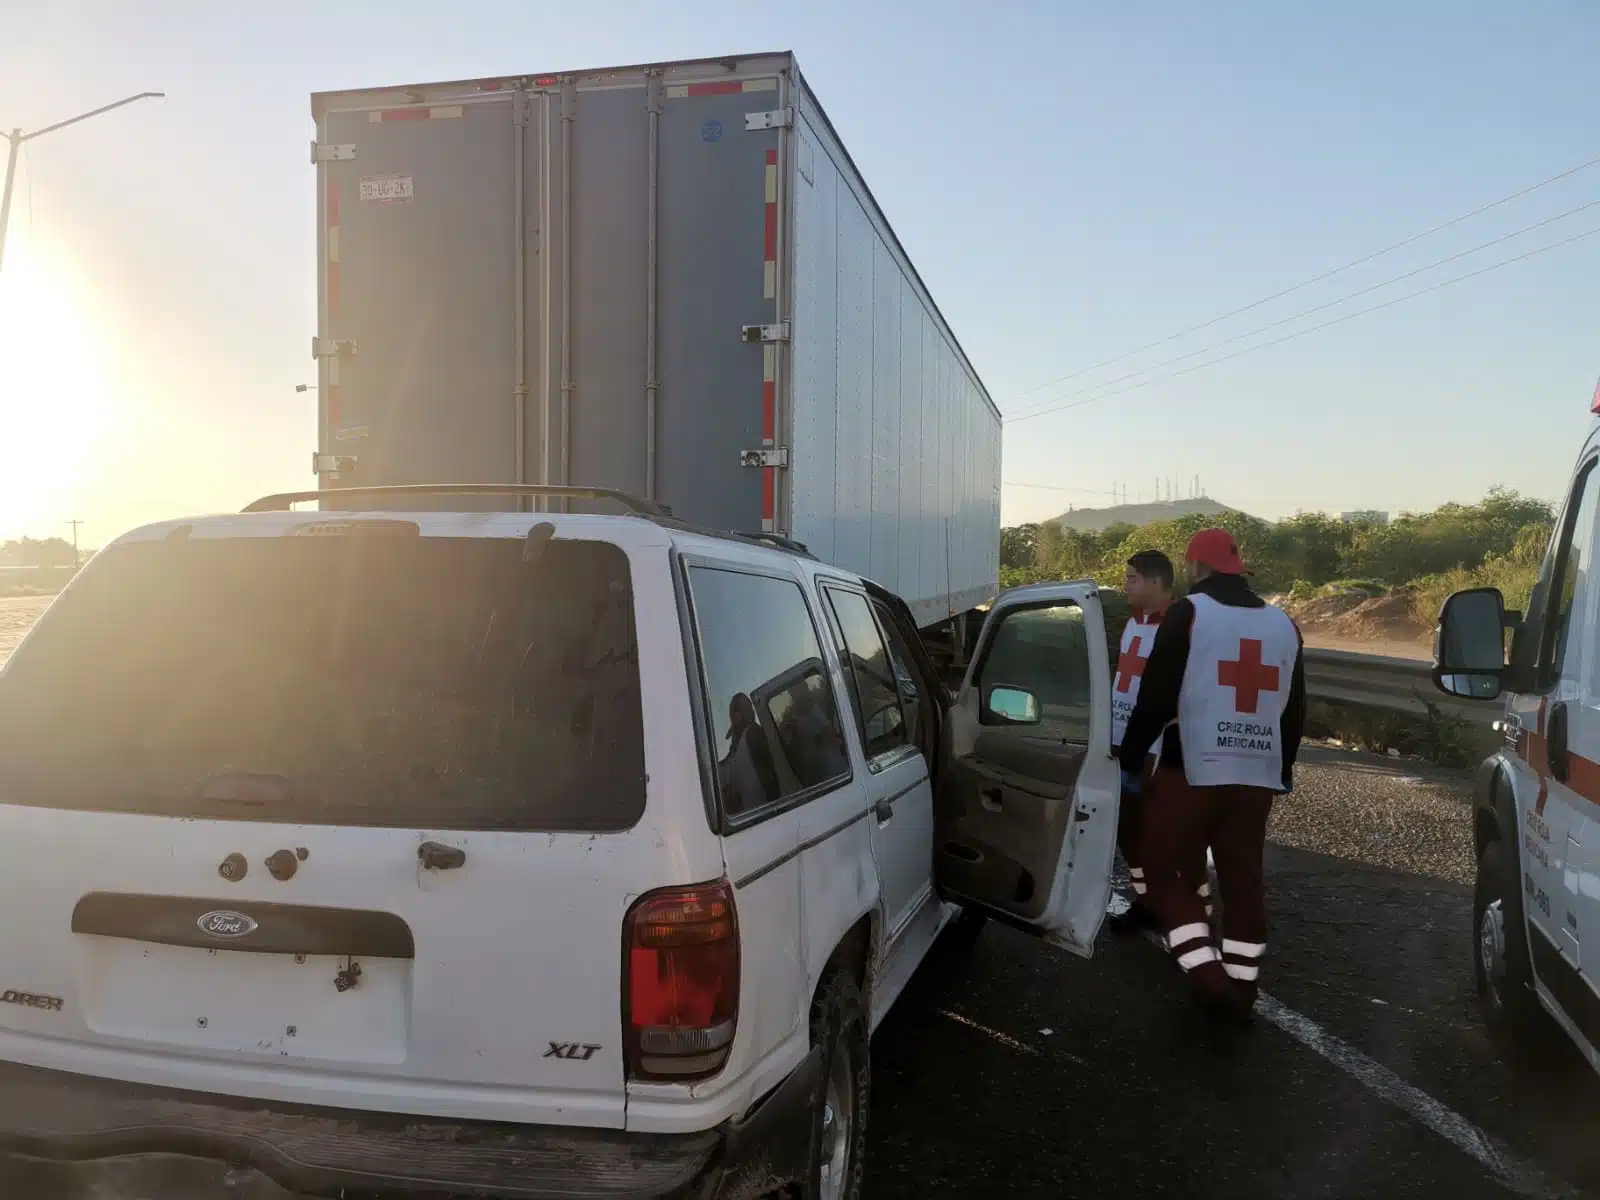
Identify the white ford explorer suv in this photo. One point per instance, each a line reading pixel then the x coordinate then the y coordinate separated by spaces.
pixel 509 853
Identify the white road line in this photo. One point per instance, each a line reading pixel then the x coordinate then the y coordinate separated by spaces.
pixel 1516 1173
pixel 1004 1039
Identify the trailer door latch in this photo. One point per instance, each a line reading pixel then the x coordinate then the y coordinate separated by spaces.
pixel 322 152
pixel 331 464
pixel 766 333
pixel 332 348
pixel 778 118
pixel 771 456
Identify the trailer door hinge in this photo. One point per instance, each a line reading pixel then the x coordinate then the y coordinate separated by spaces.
pixel 322 152
pixel 332 347
pixel 331 464
pixel 771 456
pixel 766 333
pixel 778 118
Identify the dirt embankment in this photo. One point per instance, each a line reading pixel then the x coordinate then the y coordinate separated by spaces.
pixel 1362 621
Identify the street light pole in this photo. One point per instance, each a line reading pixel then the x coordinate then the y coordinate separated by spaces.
pixel 16 137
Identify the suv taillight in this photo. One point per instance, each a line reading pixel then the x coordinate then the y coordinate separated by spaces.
pixel 680 982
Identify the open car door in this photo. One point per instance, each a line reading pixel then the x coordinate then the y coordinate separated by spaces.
pixel 1026 811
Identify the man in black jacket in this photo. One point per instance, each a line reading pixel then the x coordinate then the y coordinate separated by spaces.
pixel 1224 692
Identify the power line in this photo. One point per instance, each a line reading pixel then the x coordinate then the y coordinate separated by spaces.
pixel 1306 312
pixel 1299 333
pixel 1400 245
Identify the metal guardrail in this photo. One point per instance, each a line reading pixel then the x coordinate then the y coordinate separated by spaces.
pixel 1398 684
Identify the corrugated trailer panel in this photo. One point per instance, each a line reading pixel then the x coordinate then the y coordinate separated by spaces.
pixel 894 466
pixel 545 279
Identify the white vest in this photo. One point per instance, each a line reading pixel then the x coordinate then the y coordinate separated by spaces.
pixel 1235 688
pixel 1138 636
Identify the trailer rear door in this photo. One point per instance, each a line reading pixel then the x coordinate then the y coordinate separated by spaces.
pixel 419 277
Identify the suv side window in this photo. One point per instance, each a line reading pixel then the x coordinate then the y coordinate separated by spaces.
pixel 918 707
pixel 1044 650
pixel 874 688
pixel 1562 585
pixel 774 719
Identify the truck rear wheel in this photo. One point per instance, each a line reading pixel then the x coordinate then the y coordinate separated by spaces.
pixel 839 1121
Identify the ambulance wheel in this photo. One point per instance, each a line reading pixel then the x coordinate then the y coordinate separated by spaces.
pixel 1500 951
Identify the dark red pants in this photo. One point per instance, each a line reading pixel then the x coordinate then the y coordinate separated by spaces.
pixel 1178 823
pixel 1130 840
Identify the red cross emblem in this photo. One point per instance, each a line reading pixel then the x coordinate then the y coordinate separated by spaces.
pixel 1129 666
pixel 1248 676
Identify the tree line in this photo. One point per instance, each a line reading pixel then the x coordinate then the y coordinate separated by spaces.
pixel 1500 540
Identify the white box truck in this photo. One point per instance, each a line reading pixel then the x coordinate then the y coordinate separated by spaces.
pixel 667 279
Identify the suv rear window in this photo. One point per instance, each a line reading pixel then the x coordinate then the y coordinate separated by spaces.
pixel 380 679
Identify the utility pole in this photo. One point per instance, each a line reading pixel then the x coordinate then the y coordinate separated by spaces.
pixel 77 560
pixel 16 137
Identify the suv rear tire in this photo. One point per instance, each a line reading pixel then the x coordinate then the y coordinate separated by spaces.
pixel 839 1119
pixel 1500 958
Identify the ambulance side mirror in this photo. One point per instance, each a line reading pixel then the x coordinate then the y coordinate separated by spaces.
pixel 1469 644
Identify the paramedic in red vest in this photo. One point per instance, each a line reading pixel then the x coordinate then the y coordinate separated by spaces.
pixel 1226 668
pixel 1148 585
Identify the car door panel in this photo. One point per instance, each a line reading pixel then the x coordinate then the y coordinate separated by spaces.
pixel 897 779
pixel 1025 813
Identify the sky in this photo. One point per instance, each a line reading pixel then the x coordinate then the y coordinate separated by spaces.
pixel 1073 181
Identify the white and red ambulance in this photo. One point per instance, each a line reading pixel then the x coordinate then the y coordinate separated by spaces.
pixel 1536 816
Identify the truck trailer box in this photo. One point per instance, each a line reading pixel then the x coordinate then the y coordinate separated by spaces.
pixel 669 279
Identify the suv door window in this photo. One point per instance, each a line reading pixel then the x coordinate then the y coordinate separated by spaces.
pixel 917 706
pixel 1043 650
pixel 873 683
pixel 774 719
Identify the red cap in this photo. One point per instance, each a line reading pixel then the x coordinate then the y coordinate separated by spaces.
pixel 1215 548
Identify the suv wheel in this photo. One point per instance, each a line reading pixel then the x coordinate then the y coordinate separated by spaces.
pixel 1500 949
pixel 839 1121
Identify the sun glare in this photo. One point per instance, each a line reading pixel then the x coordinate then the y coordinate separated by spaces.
pixel 54 389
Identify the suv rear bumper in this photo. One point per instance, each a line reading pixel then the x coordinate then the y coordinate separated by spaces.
pixel 61 1117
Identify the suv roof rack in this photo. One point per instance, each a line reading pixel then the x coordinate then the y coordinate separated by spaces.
pixel 637 505
pixel 777 541
pixel 285 501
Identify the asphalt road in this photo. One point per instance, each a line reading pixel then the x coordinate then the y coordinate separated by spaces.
pixel 1019 1067
pixel 1014 1068
pixel 17 615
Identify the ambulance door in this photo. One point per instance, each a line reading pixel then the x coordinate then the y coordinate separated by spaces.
pixel 1580 883
pixel 1026 810
pixel 1560 741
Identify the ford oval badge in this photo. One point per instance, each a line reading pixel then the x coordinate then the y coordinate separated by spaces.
pixel 226 924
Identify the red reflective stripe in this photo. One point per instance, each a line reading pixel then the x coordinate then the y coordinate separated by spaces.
pixel 769 396
pixel 334 291
pixel 333 204
pixel 716 89
pixel 769 488
pixel 405 114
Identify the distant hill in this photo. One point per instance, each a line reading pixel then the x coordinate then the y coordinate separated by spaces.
pixel 1093 520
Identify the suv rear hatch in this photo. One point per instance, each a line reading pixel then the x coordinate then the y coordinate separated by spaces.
pixel 333 815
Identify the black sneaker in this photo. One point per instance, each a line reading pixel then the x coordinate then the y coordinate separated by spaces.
pixel 1230 1005
pixel 1135 919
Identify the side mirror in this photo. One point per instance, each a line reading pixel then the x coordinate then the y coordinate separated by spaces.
pixel 1012 706
pixel 1469 644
